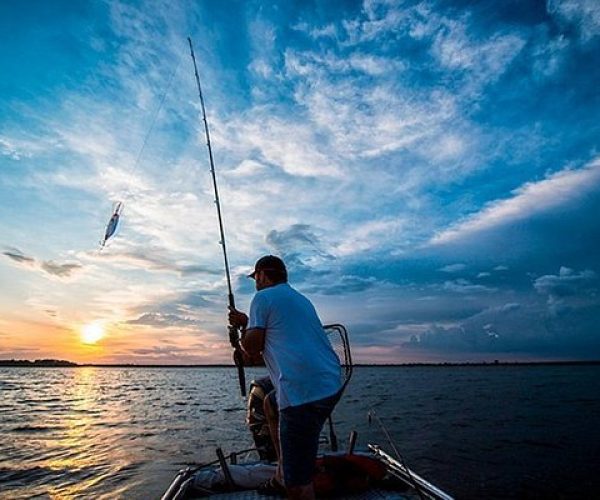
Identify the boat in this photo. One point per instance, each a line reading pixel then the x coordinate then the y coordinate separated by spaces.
pixel 227 479
pixel 351 474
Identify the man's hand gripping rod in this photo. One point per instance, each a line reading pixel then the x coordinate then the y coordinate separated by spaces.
pixel 234 337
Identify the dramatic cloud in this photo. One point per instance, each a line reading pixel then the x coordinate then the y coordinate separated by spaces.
pixel 531 198
pixel 561 326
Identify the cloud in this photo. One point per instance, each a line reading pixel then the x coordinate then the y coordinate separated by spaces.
pixel 60 270
pixel 24 146
pixel 452 40
pixel 184 309
pixel 50 267
pixel 549 55
pixel 583 14
pixel 567 282
pixel 159 352
pixel 196 354
pixel 18 256
pixel 504 328
pixel 370 235
pixel 153 259
pixel 280 141
pixel 531 198
pixel 196 298
pixel 453 268
pixel 18 352
pixel 485 60
pixel 8 148
pixel 568 289
pixel 464 286
pixel 339 285
pixel 562 326
pixel 377 20
pixel 327 31
pixel 262 37
pixel 247 168
pixel 160 320
pixel 297 239
pixel 364 107
pixel 357 124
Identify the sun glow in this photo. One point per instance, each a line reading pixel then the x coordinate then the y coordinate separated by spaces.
pixel 92 333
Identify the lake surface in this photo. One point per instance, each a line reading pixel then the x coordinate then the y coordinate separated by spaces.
pixel 475 431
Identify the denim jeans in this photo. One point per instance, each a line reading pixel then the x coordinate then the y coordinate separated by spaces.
pixel 299 430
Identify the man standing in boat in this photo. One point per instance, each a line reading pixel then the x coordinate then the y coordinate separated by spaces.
pixel 285 329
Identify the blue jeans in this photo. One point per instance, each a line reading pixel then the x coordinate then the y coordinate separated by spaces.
pixel 299 430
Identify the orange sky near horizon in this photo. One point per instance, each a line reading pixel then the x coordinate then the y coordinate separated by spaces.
pixel 127 344
pixel 24 338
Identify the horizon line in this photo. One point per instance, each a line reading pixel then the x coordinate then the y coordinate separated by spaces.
pixel 57 363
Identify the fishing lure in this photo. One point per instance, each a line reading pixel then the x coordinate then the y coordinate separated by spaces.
pixel 113 223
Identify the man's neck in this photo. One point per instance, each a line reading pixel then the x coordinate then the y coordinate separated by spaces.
pixel 271 284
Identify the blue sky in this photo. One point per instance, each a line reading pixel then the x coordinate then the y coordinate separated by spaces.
pixel 430 171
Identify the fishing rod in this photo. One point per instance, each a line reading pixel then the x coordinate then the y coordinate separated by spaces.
pixel 234 337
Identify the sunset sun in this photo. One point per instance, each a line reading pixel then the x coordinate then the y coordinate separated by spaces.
pixel 92 333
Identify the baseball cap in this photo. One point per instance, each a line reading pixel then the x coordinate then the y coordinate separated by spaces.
pixel 269 263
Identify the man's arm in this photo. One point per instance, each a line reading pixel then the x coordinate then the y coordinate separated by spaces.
pixel 253 341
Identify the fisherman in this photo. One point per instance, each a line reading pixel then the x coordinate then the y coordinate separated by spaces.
pixel 284 327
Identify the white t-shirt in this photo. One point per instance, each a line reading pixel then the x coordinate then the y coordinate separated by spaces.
pixel 301 362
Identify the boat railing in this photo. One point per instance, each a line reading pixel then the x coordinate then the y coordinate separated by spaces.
pixel 338 335
pixel 400 470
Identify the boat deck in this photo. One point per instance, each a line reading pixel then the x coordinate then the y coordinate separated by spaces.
pixel 372 494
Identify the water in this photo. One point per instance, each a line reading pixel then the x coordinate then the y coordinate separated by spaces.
pixel 478 432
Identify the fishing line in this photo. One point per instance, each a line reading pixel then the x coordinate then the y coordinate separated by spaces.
pixel 155 116
pixel 371 414
pixel 118 206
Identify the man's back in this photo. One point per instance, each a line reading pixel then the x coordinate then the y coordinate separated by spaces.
pixel 302 364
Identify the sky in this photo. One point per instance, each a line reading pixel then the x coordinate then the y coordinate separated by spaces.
pixel 429 171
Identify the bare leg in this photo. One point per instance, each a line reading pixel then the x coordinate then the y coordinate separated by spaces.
pixel 273 421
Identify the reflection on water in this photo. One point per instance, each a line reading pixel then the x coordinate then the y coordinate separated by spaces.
pixel 492 432
pixel 56 442
pixel 109 432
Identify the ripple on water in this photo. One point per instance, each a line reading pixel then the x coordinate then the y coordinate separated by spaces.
pixel 36 428
pixel 24 475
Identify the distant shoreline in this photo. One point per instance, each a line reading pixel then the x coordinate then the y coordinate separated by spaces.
pixel 58 363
